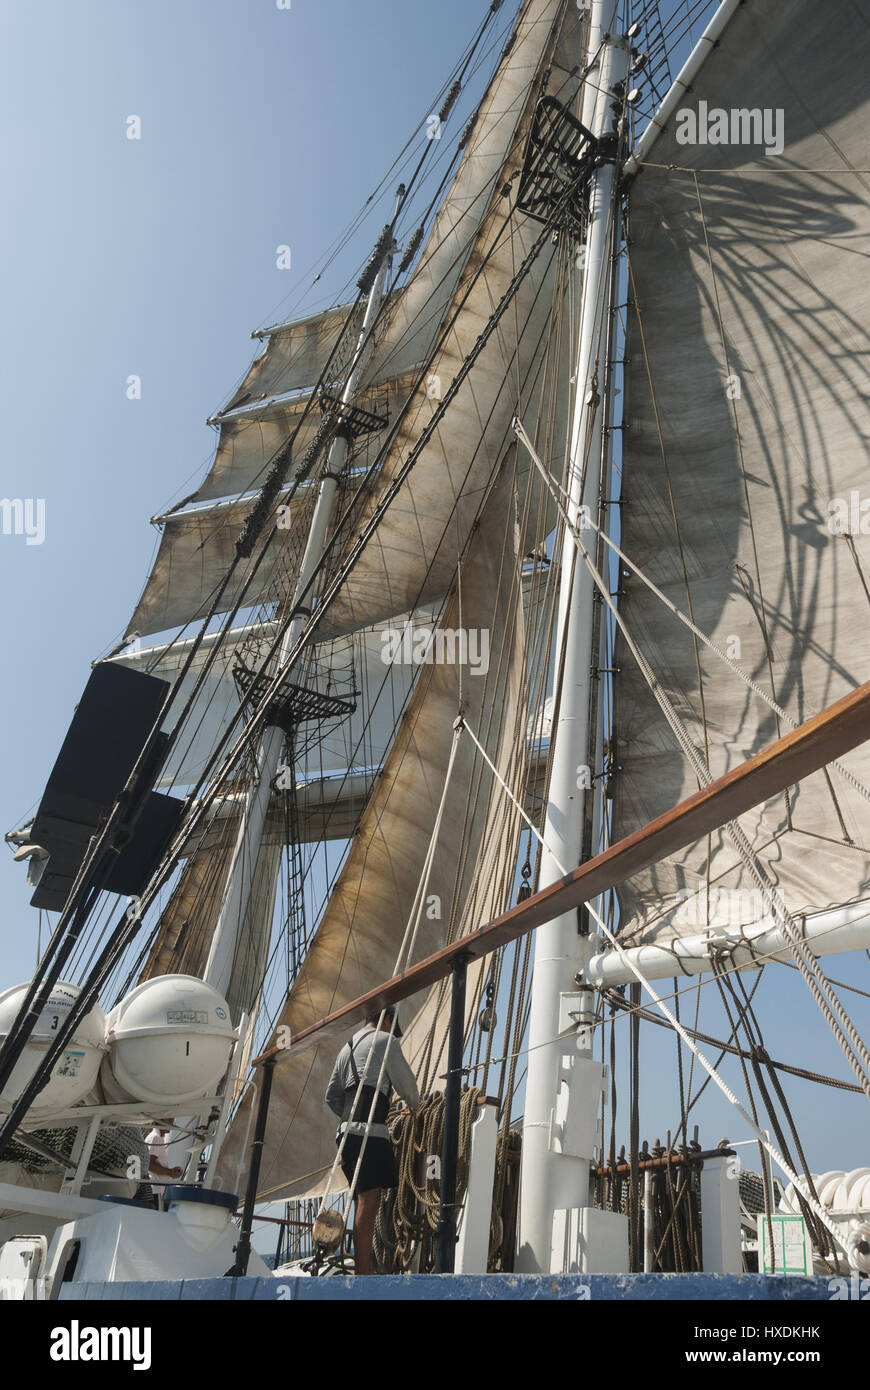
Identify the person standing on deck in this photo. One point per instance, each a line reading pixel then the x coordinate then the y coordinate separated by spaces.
pixel 158 1163
pixel 361 1060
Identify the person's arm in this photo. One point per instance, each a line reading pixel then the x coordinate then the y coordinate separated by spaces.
pixel 158 1170
pixel 156 1142
pixel 401 1077
pixel 335 1090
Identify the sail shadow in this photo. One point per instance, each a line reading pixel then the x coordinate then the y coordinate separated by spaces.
pixel 750 353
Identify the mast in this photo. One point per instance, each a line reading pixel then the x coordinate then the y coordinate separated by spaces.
pixel 240 875
pixel 563 1080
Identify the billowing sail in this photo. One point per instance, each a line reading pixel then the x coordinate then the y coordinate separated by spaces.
pixel 187 923
pixel 198 544
pixel 745 460
pixel 290 363
pixel 357 941
pixel 412 557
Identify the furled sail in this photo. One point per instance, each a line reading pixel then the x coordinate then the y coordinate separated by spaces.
pixel 358 938
pixel 745 460
pixel 411 559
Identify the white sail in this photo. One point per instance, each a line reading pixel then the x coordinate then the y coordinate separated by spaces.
pixel 355 945
pixel 291 359
pixel 355 667
pixel 411 559
pixel 195 552
pixel 748 349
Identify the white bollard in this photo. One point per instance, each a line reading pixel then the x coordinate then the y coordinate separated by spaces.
pixel 720 1218
pixel 472 1242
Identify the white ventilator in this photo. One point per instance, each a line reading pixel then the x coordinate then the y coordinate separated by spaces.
pixel 75 1072
pixel 169 1042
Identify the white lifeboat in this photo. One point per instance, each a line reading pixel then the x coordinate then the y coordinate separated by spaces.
pixel 75 1071
pixel 169 1042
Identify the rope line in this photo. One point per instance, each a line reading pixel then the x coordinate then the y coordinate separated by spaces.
pixel 404 954
pixel 698 632
pixel 678 1027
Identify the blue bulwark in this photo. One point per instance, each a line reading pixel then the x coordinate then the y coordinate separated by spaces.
pixel 573 1288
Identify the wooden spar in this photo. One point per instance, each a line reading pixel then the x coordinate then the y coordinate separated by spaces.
pixel 812 745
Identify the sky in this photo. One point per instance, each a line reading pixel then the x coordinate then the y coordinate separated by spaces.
pixel 155 258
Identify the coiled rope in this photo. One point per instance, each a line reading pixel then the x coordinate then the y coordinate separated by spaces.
pixel 407 1221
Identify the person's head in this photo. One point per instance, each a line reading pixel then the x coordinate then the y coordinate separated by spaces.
pixel 387 1022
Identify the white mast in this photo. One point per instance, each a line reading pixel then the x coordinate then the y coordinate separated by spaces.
pixel 563 1085
pixel 268 759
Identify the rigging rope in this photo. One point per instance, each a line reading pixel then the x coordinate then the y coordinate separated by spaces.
pixel 678 1027
pixel 831 1007
pixel 672 607
pixel 410 1218
pixel 616 1000
pixel 403 957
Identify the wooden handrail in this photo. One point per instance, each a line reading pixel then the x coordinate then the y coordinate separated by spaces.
pixel 812 745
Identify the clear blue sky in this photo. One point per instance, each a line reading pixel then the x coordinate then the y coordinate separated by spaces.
pixel 156 257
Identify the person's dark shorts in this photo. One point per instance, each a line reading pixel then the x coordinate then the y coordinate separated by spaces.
pixel 378 1168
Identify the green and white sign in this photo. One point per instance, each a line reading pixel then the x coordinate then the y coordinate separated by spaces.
pixel 792 1247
